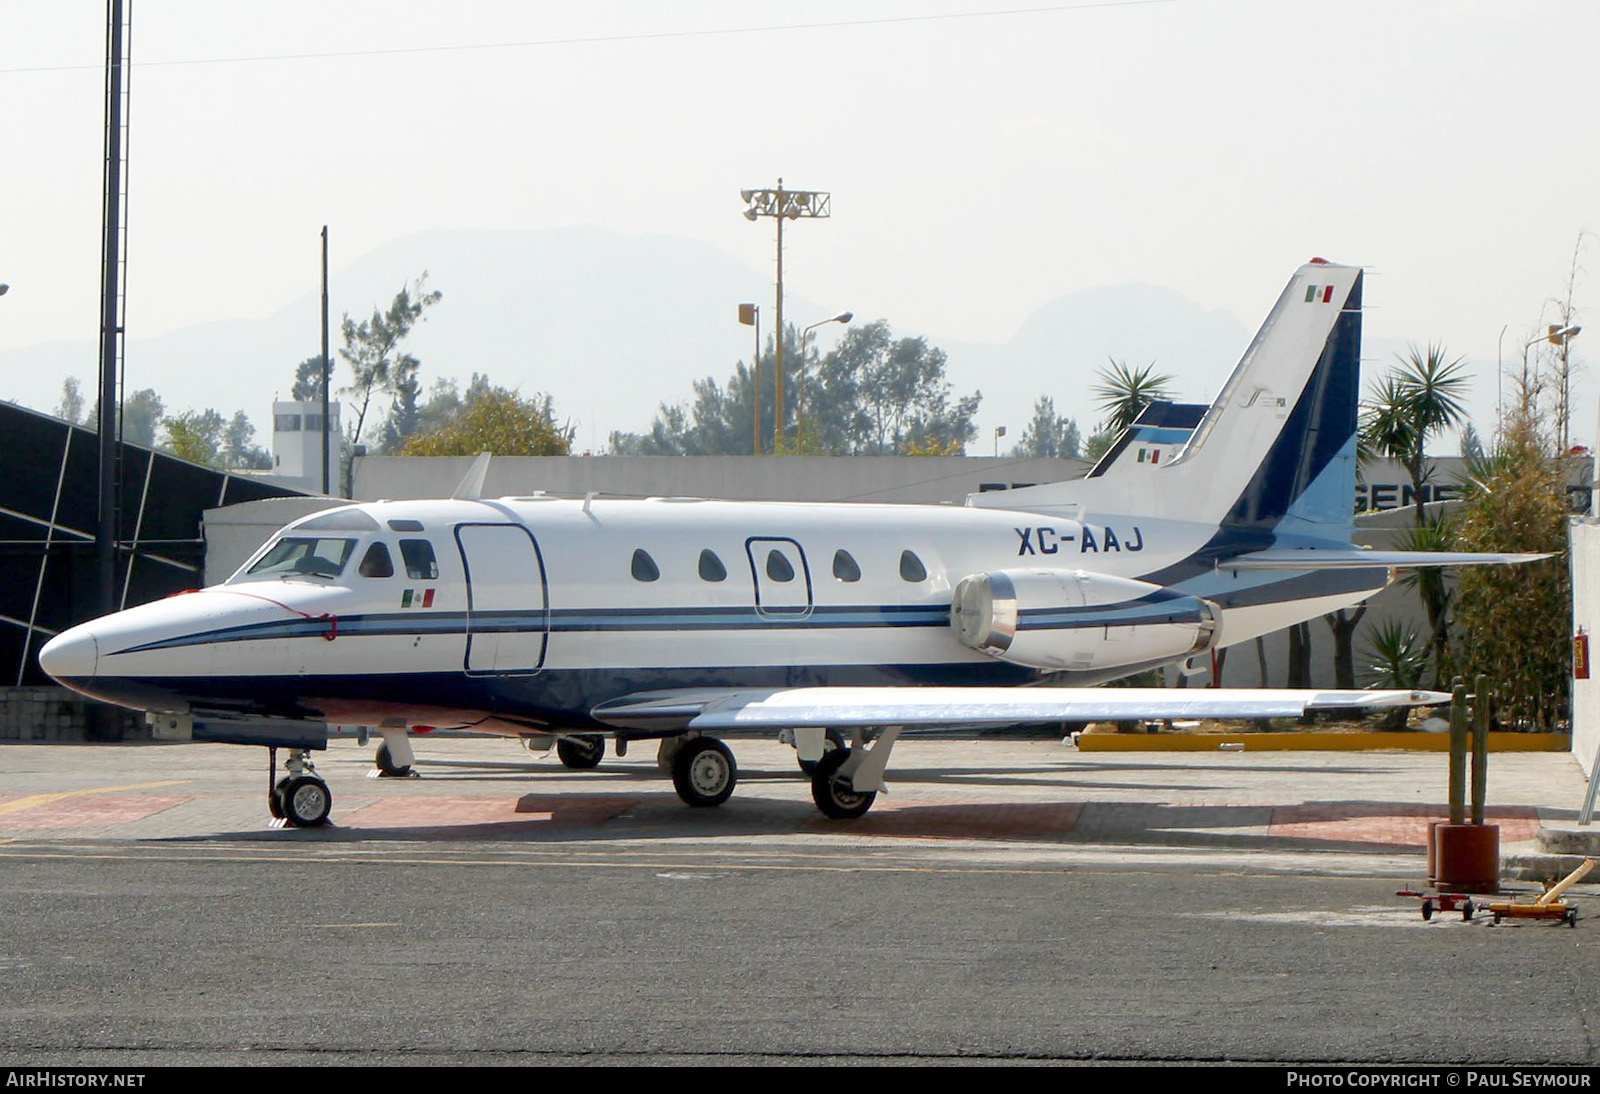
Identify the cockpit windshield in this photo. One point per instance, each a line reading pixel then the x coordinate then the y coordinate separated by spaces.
pixel 319 556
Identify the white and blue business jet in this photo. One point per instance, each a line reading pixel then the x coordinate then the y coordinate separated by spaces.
pixel 677 619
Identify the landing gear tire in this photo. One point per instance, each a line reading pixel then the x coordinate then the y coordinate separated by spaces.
pixel 386 766
pixel 704 773
pixel 305 801
pixel 275 799
pixel 833 742
pixel 581 752
pixel 833 793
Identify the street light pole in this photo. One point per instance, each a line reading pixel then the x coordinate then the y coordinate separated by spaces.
pixel 1556 336
pixel 800 397
pixel 782 205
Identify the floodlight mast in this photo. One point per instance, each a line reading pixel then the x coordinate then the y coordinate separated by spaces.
pixel 781 205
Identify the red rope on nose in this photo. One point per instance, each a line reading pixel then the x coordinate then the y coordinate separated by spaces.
pixel 326 617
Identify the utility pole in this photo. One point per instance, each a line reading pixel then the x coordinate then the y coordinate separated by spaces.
pixel 111 300
pixel 781 205
pixel 326 368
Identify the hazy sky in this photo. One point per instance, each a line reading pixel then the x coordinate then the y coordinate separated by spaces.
pixel 984 158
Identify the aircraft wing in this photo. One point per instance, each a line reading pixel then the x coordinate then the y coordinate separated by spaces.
pixel 1319 558
pixel 950 707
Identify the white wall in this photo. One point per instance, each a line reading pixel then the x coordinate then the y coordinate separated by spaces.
pixel 925 479
pixel 1585 560
pixel 233 532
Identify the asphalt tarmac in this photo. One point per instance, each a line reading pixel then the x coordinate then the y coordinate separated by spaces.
pixel 1010 901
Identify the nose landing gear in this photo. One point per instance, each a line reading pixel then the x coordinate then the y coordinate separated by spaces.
pixel 301 799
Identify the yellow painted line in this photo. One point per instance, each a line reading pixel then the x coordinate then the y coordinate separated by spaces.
pixel 1312 742
pixel 591 864
pixel 45 799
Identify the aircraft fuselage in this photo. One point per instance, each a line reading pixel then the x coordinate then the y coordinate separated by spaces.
pixel 514 614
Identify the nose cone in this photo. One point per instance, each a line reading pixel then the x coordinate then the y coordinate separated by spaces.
pixel 72 654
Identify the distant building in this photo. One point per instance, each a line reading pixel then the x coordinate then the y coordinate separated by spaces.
pixel 297 444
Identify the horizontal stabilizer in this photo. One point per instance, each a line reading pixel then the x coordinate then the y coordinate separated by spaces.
pixel 1353 558
pixel 949 707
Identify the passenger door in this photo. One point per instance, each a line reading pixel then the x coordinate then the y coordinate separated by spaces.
pixel 508 617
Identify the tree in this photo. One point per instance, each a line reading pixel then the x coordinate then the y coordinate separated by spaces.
pixel 141 414
pixel 71 406
pixel 1098 444
pixel 873 395
pixel 1124 392
pixel 1419 398
pixel 1516 621
pixel 498 420
pixel 1343 625
pixel 372 348
pixel 1471 443
pixel 237 449
pixel 1049 435
pixel 307 380
pixel 195 435
pixel 878 395
pixel 1422 396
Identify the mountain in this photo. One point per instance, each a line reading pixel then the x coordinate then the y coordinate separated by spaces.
pixel 1060 347
pixel 611 325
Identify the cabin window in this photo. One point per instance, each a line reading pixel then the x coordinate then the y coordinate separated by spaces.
pixel 844 566
pixel 376 562
pixel 320 557
pixel 711 567
pixel 778 567
pixel 911 567
pixel 420 563
pixel 405 525
pixel 644 567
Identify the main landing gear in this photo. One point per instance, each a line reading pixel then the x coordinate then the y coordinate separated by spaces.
pixel 834 793
pixel 847 780
pixel 581 751
pixel 844 784
pixel 394 758
pixel 703 769
pixel 300 799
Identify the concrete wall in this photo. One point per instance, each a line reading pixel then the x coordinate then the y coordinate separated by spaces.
pixel 924 479
pixel 37 715
pixel 1585 559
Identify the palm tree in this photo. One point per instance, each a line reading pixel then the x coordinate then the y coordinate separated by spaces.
pixel 1124 392
pixel 1424 395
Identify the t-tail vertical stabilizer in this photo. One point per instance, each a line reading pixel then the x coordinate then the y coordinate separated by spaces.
pixel 1273 458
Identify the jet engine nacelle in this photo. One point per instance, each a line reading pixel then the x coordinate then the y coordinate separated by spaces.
pixel 1074 619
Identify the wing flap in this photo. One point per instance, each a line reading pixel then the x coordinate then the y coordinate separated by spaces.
pixel 947 707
